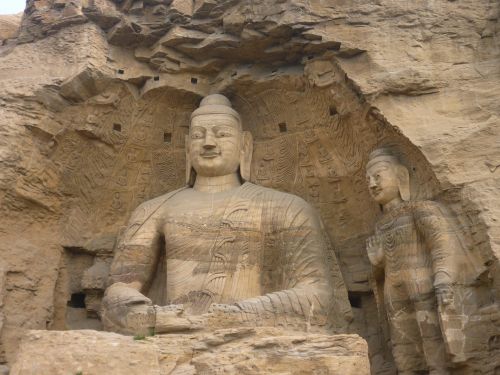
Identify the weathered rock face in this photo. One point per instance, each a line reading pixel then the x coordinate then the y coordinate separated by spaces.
pixel 241 351
pixel 95 102
pixel 9 26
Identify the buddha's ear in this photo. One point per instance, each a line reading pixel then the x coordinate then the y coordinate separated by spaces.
pixel 246 152
pixel 404 182
pixel 190 173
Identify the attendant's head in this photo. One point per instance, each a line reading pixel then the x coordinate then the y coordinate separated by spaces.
pixel 388 180
pixel 217 144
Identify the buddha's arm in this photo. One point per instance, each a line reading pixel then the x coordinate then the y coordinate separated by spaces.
pixel 137 249
pixel 305 291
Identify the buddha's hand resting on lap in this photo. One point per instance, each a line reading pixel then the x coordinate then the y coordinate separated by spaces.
pixel 126 310
pixel 173 318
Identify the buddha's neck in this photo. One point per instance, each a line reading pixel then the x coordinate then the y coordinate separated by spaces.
pixel 216 184
pixel 389 206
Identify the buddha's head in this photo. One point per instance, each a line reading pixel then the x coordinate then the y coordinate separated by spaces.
pixel 388 180
pixel 216 144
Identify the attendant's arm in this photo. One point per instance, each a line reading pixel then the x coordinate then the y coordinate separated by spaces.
pixel 440 238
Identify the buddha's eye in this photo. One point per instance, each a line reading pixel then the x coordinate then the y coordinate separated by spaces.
pixel 196 135
pixel 223 133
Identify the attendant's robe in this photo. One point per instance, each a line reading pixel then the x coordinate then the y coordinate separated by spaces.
pixel 420 250
pixel 259 249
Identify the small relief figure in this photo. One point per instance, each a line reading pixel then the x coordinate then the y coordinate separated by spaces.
pixel 422 263
pixel 324 155
pixel 263 172
pixel 332 174
pixel 314 191
pixel 117 202
pixel 304 158
pixel 309 171
pixel 122 178
pixel 310 136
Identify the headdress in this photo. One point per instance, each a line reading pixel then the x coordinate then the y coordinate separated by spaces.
pixel 216 104
pixel 385 154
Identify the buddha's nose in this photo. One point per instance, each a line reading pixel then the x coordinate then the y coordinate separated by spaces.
pixel 209 142
pixel 372 184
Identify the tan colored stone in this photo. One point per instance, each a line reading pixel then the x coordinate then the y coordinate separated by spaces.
pixel 178 35
pixel 180 9
pixel 244 351
pixel 9 26
pixel 422 76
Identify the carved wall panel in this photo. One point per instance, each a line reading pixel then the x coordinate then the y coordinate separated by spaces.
pixel 118 151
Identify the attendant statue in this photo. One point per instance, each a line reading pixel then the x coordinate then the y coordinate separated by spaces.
pixel 424 264
pixel 234 253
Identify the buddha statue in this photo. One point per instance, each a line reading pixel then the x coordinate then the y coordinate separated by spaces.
pixel 234 253
pixel 424 267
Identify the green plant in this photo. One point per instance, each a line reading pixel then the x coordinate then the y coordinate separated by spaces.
pixel 139 337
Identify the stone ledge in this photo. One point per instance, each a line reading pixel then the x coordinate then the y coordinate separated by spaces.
pixel 227 351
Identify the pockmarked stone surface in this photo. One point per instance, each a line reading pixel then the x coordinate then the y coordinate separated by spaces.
pixel 96 98
pixel 229 351
pixel 9 26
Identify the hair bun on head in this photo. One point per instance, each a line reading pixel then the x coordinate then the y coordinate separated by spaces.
pixel 215 99
pixel 216 104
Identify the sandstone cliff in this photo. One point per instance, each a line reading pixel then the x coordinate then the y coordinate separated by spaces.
pixel 96 95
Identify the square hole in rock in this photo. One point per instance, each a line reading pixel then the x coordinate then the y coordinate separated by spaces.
pixel 167 137
pixel 77 301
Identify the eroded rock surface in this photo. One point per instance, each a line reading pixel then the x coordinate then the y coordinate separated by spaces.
pixel 95 101
pixel 242 351
pixel 9 26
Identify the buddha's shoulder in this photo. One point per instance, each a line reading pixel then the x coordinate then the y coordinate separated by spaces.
pixel 158 202
pixel 428 207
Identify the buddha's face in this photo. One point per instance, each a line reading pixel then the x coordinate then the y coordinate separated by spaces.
pixel 215 144
pixel 383 182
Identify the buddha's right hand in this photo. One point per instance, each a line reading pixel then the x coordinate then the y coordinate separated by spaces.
pixel 126 310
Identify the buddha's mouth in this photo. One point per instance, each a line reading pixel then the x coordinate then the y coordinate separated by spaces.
pixel 210 155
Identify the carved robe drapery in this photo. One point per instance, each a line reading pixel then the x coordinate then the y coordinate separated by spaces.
pixel 422 249
pixel 260 249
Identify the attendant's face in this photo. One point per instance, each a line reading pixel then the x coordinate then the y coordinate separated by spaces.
pixel 215 144
pixel 383 182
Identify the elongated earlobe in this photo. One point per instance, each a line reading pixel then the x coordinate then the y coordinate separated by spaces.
pixel 246 155
pixel 404 182
pixel 190 173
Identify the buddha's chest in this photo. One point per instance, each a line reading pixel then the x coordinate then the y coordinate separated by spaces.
pixel 207 230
